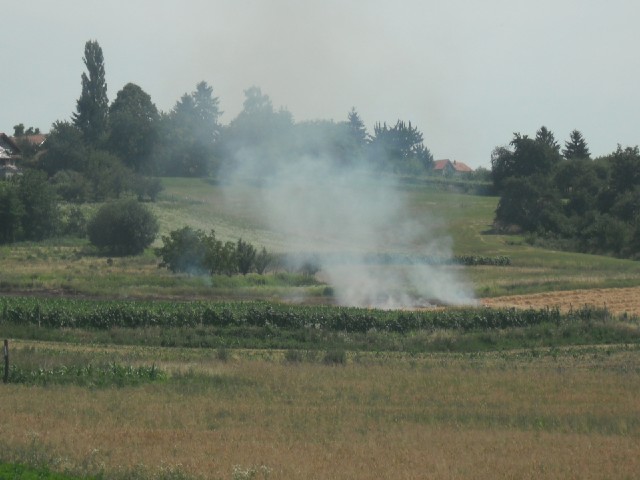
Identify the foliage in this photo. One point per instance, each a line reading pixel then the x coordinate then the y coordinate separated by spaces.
pixel 576 147
pixel 92 107
pixel 400 149
pixel 28 208
pixel 259 133
pixel 525 158
pixel 124 227
pixel 188 135
pixel 246 256
pixel 184 250
pixel 578 203
pixel 101 375
pixel 133 122
pixel 192 251
pixel 65 150
pixel 224 325
pixel 12 212
pixel 22 472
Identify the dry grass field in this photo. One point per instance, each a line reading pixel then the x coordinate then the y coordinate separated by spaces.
pixel 617 300
pixel 563 414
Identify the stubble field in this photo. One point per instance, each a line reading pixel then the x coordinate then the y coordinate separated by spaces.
pixel 618 301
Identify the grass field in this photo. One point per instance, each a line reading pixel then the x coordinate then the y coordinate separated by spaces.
pixel 550 401
pixel 528 414
pixel 68 267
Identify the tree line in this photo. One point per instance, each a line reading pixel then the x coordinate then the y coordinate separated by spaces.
pixel 95 154
pixel 108 151
pixel 567 199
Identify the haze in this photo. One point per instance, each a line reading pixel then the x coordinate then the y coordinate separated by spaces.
pixel 468 74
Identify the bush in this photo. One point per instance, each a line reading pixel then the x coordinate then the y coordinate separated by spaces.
pixel 184 250
pixel 124 227
pixel 193 251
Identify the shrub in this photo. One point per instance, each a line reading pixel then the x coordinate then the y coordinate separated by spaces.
pixel 184 250
pixel 123 227
pixel 246 255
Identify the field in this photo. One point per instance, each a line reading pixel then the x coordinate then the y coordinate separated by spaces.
pixel 109 381
pixel 530 414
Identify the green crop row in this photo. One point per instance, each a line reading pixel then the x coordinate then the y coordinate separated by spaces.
pixel 86 375
pixel 69 313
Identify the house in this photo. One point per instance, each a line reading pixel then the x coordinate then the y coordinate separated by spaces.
pixel 448 168
pixel 9 153
pixel 35 139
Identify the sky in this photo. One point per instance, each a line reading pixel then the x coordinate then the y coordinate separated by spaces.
pixel 466 73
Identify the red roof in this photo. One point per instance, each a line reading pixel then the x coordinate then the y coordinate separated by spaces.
pixel 461 167
pixel 440 164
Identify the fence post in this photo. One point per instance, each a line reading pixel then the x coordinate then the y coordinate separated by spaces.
pixel 6 361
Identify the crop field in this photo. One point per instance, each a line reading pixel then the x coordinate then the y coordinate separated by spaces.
pixel 531 414
pixel 122 370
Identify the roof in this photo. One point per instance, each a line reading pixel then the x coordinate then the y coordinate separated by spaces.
pixel 441 164
pixel 455 165
pixel 36 139
pixel 461 167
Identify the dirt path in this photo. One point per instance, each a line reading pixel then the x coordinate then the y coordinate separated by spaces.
pixel 617 300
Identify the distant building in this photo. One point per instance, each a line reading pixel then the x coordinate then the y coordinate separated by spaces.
pixel 9 153
pixel 35 139
pixel 448 168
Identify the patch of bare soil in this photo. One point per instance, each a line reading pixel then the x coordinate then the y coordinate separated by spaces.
pixel 616 300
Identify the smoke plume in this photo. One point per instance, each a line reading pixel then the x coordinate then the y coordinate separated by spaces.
pixel 358 227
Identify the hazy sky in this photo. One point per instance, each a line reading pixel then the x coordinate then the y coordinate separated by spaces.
pixel 467 73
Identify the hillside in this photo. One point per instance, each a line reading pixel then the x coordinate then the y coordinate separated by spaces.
pixel 449 224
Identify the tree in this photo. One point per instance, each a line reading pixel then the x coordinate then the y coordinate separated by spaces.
pixel 357 129
pixel 65 150
pixel 123 227
pixel 400 148
pixel 625 169
pixel 92 106
pixel 246 255
pixel 11 213
pixel 184 250
pixel 262 261
pixel 576 147
pixel 545 137
pixel 529 203
pixel 525 158
pixel 133 121
pixel 41 213
pixel 190 132
pixel 18 130
pixel 259 135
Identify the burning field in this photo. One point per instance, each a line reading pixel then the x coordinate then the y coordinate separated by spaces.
pixel 617 300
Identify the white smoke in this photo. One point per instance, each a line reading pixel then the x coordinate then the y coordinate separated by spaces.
pixel 356 224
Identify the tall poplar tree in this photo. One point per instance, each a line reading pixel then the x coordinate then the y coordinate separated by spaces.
pixel 92 107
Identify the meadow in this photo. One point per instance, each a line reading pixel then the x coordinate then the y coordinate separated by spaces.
pixel 69 266
pixel 122 370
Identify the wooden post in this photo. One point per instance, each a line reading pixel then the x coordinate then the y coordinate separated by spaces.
pixel 6 361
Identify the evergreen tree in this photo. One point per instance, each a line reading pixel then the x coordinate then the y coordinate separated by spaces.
pixel 576 147
pixel 357 129
pixel 546 137
pixel 92 106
